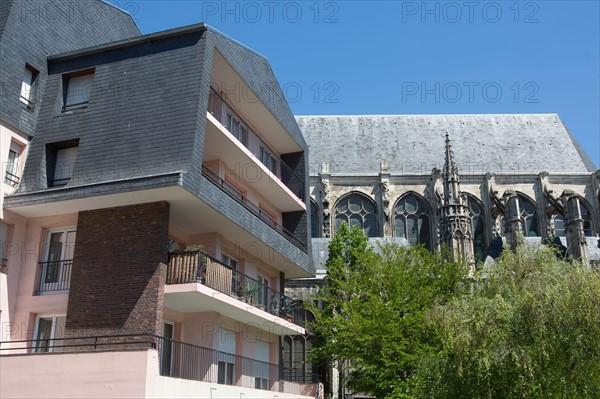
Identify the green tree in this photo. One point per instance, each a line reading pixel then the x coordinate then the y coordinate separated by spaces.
pixel 529 329
pixel 374 310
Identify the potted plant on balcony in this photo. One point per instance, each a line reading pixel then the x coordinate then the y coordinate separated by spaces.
pixel 250 293
pixel 275 306
pixel 286 309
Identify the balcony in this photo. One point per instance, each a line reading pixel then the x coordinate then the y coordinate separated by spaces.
pixel 198 267
pixel 192 362
pixel 114 358
pixel 243 133
pixel 239 197
pixel 54 276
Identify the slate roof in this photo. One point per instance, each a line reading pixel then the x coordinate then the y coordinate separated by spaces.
pixel 414 144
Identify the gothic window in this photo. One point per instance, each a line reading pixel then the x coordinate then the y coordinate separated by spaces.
pixel 315 223
pixel 412 220
pixel 529 216
pixel 559 223
pixel 586 215
pixel 478 228
pixel 357 210
pixel 559 226
pixel 296 353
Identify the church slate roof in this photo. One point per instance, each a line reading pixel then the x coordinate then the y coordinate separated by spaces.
pixel 414 144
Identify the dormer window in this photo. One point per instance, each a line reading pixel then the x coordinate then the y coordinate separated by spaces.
pixel 29 76
pixel 61 162
pixel 77 88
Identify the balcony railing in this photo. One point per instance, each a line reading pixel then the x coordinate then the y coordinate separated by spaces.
pixel 192 362
pixel 28 103
pixel 198 267
pixel 236 195
pixel 73 107
pixel 11 178
pixel 54 276
pixel 179 360
pixel 3 265
pixel 225 114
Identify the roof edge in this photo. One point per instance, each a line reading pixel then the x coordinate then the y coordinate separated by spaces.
pixel 387 115
pixel 128 42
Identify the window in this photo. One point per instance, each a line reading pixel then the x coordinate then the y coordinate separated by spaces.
pixel 296 354
pixel 77 88
pixel 262 357
pixel 268 159
pixel 357 210
pixel 60 161
pixel 226 357
pixel 166 356
pixel 528 215
pixel 263 290
pixel 586 215
pixel 12 166
pixel 559 226
pixel 29 76
pixel 412 221
pixel 48 333
pixel 233 264
pixel 55 272
pixel 315 223
pixel 239 131
pixel 478 228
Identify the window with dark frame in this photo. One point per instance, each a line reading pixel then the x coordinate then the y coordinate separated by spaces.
pixel 60 162
pixel 76 89
pixel 30 75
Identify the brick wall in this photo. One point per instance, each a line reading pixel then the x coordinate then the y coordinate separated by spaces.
pixel 118 277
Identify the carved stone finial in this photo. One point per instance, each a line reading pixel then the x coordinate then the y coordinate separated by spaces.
pixel 325 168
pixel 384 167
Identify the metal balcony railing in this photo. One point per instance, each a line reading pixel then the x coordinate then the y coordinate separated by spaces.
pixel 11 178
pixel 75 106
pixel 54 276
pixel 233 193
pixel 28 103
pixel 192 362
pixel 178 360
pixel 198 267
pixel 224 113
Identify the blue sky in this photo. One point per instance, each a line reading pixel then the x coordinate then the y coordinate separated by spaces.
pixel 416 57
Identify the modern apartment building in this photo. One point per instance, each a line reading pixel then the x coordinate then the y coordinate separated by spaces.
pixel 154 204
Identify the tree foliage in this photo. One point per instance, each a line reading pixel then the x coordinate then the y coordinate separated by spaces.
pixel 530 329
pixel 375 305
pixel 413 324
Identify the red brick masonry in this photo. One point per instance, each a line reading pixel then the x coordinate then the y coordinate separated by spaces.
pixel 118 276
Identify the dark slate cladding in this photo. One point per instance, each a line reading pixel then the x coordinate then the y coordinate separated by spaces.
pixel 146 117
pixel 140 119
pixel 5 7
pixel 33 29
